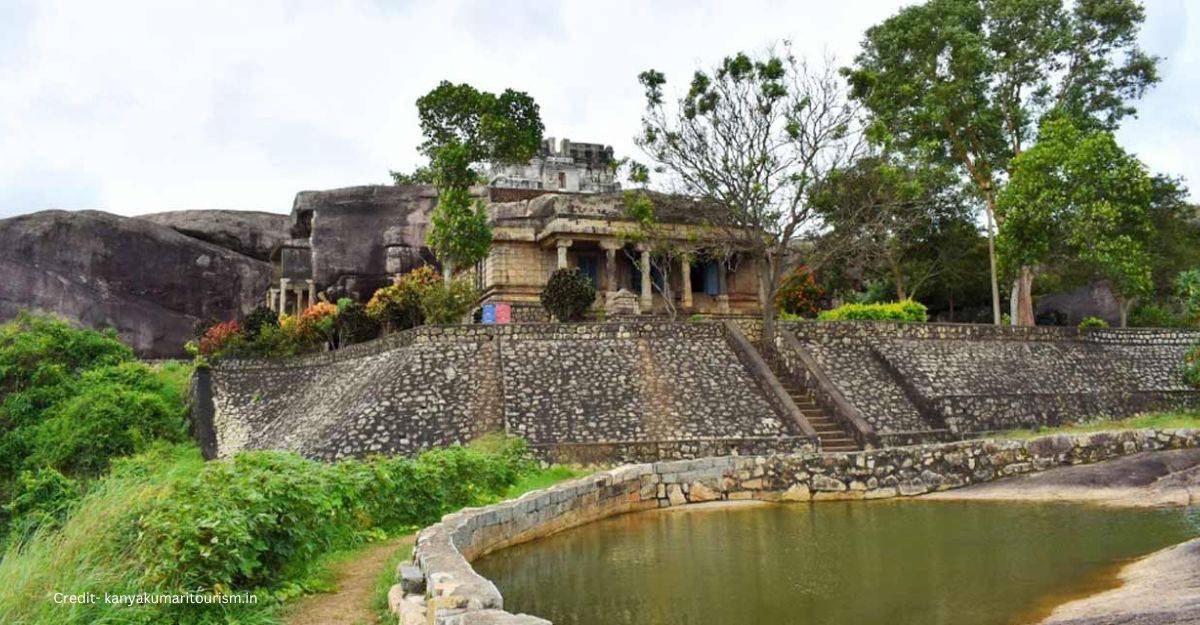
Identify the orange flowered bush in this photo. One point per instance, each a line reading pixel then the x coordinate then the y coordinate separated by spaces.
pixel 799 294
pixel 398 307
pixel 317 322
pixel 221 338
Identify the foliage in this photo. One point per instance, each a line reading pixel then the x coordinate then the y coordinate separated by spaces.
pixel 568 295
pixel 353 324
pixel 317 323
pixel 70 401
pixel 200 328
pixel 166 521
pixel 260 318
pixel 1187 288
pixel 222 338
pixel 1093 322
pixel 1078 194
pixel 420 175
pixel 398 307
pixel 799 294
pixel 907 310
pixel 449 302
pixel 41 499
pixel 967 83
pixel 463 127
pixel 1150 315
pixel 1191 367
pixel 1157 420
pixel 755 136
pixel 1175 246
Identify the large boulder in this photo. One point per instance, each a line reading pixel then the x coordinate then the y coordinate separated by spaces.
pixel 147 281
pixel 252 233
pixel 1069 308
pixel 361 236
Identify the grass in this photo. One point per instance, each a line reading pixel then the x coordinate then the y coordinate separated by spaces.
pixel 1157 420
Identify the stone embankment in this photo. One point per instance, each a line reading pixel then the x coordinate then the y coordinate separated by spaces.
pixel 440 587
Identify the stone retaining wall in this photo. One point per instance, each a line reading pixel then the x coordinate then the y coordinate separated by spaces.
pixel 439 587
pixel 920 382
pixel 588 393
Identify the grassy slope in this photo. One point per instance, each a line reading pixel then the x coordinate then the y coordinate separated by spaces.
pixel 1159 420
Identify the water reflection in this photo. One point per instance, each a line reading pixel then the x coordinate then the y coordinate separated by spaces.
pixel 831 563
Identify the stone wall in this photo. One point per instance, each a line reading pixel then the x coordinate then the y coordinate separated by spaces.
pixel 609 392
pixel 920 382
pixel 439 586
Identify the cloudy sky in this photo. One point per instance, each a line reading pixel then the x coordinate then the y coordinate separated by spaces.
pixel 137 108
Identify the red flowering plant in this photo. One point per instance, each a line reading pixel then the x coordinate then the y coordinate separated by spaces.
pixel 222 339
pixel 799 294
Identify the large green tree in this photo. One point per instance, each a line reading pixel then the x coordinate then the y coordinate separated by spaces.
pixel 755 136
pixel 882 216
pixel 968 82
pixel 1076 194
pixel 465 128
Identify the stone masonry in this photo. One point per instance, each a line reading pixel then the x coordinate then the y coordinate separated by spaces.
pixel 591 393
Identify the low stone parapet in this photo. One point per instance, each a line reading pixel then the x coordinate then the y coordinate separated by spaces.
pixel 443 589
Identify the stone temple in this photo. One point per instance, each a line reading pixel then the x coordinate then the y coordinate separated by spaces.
pixel 563 209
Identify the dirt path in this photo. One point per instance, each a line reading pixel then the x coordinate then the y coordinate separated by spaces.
pixel 350 604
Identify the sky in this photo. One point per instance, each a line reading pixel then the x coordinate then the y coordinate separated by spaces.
pixel 145 107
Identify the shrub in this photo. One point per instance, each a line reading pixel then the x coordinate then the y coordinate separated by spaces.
pixel 907 310
pixel 223 339
pixel 1154 316
pixel 1093 322
pixel 448 303
pixel 568 295
pixel 1187 287
pixel 1191 367
pixel 260 318
pixel 799 294
pixel 316 324
pixel 41 500
pixel 265 516
pixel 398 307
pixel 353 324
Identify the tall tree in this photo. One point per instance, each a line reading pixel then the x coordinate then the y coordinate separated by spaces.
pixel 1077 194
pixel 755 135
pixel 465 128
pixel 881 214
pixel 968 82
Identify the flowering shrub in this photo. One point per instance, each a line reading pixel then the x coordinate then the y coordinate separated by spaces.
pixel 316 322
pixel 222 338
pixel 398 307
pixel 907 310
pixel 799 294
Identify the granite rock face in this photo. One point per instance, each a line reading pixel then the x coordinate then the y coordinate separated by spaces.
pixel 146 280
pixel 361 236
pixel 252 233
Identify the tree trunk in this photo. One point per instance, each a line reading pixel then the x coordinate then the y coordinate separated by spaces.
pixel 991 228
pixel 766 296
pixel 1025 297
pixel 447 271
pixel 1126 305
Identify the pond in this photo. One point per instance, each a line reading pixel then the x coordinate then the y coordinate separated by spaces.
pixel 897 562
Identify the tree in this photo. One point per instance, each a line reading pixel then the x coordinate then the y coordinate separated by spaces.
pixel 968 82
pixel 755 135
pixel 1077 194
pixel 463 128
pixel 881 216
pixel 568 295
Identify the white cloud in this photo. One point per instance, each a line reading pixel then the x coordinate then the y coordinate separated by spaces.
pixel 138 107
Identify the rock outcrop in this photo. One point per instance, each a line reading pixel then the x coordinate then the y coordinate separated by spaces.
pixel 252 233
pixel 146 280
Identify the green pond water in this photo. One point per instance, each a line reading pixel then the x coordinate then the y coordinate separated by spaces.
pixel 857 563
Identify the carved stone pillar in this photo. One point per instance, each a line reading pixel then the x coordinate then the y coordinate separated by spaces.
pixel 685 270
pixel 299 291
pixel 646 301
pixel 722 290
pixel 312 292
pixel 563 245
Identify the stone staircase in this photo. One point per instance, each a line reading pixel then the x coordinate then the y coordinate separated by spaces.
pixel 833 436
